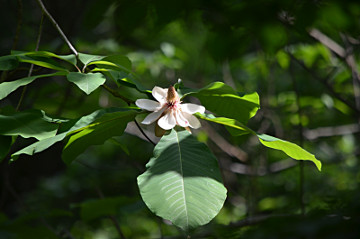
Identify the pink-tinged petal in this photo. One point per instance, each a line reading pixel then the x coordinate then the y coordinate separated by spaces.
pixel 152 117
pixel 192 108
pixel 159 94
pixel 167 121
pixel 181 120
pixel 149 105
pixel 193 121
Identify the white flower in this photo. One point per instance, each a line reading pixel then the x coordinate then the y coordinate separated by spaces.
pixel 169 111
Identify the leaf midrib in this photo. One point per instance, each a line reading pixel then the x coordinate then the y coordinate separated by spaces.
pixel 182 181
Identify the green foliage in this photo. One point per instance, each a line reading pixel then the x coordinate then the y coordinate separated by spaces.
pixel 107 126
pixel 291 149
pixel 183 182
pixel 306 84
pixel 86 82
pixel 27 124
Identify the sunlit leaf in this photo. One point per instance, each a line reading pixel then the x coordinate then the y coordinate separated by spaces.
pixel 7 87
pixel 291 149
pixel 223 100
pixel 96 133
pixel 182 182
pixel 233 126
pixel 86 82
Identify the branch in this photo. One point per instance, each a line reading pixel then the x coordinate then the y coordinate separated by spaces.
pixel 224 145
pixel 45 11
pixel 326 83
pixel 116 94
pixel 346 54
pixel 312 134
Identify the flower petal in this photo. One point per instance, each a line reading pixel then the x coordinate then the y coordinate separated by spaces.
pixel 149 105
pixel 159 94
pixel 181 120
pixel 192 108
pixel 152 117
pixel 193 121
pixel 167 121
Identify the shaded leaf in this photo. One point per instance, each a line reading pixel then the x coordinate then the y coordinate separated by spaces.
pixel 8 63
pixel 65 128
pixel 291 149
pixel 27 124
pixel 96 133
pixel 182 182
pixel 86 82
pixel 7 87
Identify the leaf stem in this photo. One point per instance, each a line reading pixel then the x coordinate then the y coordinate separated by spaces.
pixel 142 131
pixel 116 94
pixel 56 25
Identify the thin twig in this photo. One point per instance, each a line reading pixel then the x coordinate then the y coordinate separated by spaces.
pixel 301 139
pixel 116 94
pixel 142 131
pixel 32 65
pixel 326 83
pixel 56 25
pixel 111 217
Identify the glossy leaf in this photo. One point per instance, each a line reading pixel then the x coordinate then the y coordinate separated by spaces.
pixel 65 128
pixel 96 133
pixel 86 82
pixel 114 62
pixel 27 124
pixel 234 127
pixel 291 149
pixel 182 182
pixel 223 100
pixel 8 87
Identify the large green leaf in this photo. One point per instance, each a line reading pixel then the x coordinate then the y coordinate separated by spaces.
pixel 86 82
pixel 107 126
pixel 65 128
pixel 223 100
pixel 27 124
pixel 7 87
pixel 182 182
pixel 291 149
